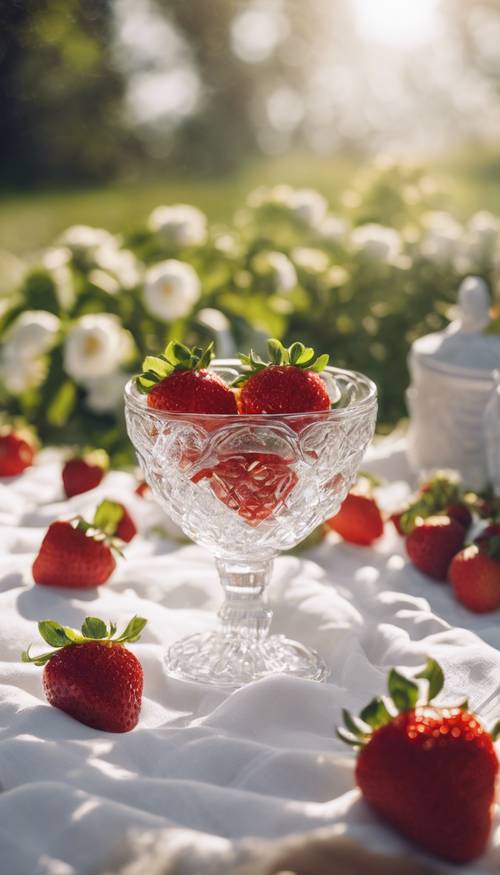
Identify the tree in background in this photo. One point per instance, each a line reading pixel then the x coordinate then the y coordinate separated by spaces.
pixel 60 97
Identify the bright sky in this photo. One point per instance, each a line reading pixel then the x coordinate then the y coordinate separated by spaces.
pixel 398 23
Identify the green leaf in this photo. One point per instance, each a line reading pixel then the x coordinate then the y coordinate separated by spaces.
pixel 107 516
pixel 40 659
pixel 277 352
pixel 464 706
pixel 495 732
pixel 320 363
pixel 348 737
pixel 403 691
pixel 74 636
pixel 133 630
pixel 178 352
pixel 157 365
pixel 353 724
pixel 433 673
pixel 53 633
pixel 295 351
pixel 306 356
pixel 62 404
pixel 206 356
pixel 93 627
pixel 375 713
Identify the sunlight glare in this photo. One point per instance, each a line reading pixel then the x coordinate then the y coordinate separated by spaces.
pixel 398 23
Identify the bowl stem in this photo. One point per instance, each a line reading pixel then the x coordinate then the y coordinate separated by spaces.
pixel 244 612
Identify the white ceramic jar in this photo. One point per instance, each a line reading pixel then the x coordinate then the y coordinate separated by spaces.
pixel 452 383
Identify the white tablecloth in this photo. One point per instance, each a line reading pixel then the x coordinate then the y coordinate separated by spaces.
pixel 262 761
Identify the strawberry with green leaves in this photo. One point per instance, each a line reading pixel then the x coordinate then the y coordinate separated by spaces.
pixel 288 383
pixel 179 381
pixel 78 554
pixel 428 771
pixel 90 674
pixel 443 495
pixel 474 574
pixel 83 473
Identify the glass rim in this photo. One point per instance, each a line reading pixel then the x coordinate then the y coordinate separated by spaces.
pixel 135 399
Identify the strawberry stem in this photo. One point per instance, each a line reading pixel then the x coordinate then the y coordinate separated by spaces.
pixel 297 354
pixel 176 357
pixel 93 629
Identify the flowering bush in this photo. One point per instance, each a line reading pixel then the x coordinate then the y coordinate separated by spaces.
pixel 360 283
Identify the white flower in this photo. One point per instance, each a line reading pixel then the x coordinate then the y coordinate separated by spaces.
pixel 56 260
pixel 333 228
pixel 312 260
pixel 376 241
pixel 308 205
pixel 171 290
pixel 28 339
pixel 18 374
pixel 121 263
pixel 278 195
pixel 95 346
pixel 32 333
pixel 484 225
pixel 442 237
pixel 284 273
pixel 182 224
pixel 482 236
pixel 105 394
pixel 85 239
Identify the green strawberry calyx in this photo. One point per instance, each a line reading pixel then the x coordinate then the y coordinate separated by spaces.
pixel 176 357
pixel 404 695
pixel 93 629
pixel 440 492
pixel 104 525
pixel 297 354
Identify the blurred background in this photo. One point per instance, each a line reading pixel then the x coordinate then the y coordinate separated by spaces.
pixel 344 155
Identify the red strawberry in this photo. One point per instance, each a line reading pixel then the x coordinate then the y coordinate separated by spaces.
pixel 91 675
pixel 142 489
pixel 289 383
pixel 255 485
pixel 461 513
pixel 83 473
pixel 359 520
pixel 432 545
pixel 74 556
pixel 429 772
pixel 179 382
pixel 474 574
pixel 126 529
pixel 17 450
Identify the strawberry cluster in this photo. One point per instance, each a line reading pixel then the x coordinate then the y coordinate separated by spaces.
pixel 428 771
pixel 179 381
pixel 436 526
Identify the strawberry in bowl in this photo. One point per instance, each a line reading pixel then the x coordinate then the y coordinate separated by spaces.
pixel 247 478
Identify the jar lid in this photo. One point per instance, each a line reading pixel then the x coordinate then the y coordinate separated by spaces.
pixel 463 348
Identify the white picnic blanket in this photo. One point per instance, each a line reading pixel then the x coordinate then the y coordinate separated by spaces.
pixel 215 768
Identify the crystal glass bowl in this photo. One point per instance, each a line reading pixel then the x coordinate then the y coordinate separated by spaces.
pixel 247 487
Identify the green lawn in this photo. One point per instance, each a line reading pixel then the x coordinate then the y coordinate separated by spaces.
pixel 30 220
